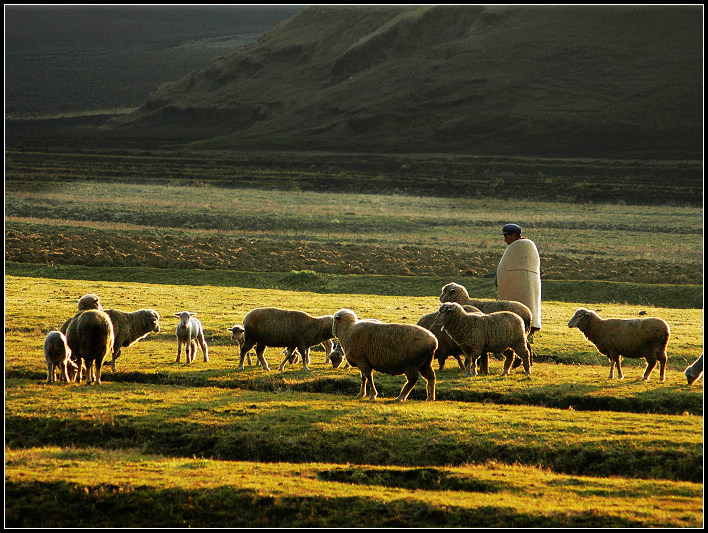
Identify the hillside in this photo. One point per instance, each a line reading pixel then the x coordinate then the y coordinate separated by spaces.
pixel 557 81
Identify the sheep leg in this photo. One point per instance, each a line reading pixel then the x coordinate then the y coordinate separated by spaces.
pixel 98 363
pixel 288 354
pixel 651 363
pixel 662 365
pixel 328 346
pixel 115 356
pixel 508 360
pixel 471 365
pixel 305 353
pixel 484 363
pixel 205 348
pixel 411 379
pixel 367 376
pixel 245 348
pixel 179 350
pixel 429 375
pixel 617 359
pixel 260 348
pixel 459 361
pixel 50 371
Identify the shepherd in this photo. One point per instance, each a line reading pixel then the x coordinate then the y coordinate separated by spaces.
pixel 519 274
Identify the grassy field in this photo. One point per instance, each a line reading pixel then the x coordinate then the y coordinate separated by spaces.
pixel 161 443
pixel 164 443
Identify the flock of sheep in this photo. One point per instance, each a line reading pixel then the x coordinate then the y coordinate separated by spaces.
pixel 462 326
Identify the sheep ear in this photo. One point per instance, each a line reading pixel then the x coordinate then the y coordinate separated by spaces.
pixel 178 314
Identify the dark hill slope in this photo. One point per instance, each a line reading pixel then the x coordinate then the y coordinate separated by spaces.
pixel 558 81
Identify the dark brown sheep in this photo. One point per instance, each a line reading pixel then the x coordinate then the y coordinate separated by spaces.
pixel 284 328
pixel 90 338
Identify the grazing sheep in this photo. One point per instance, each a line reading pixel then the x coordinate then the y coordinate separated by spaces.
pixel 190 332
pixel 388 348
pixel 479 333
pixel 238 336
pixel 694 371
pixel 270 326
pixel 57 354
pixel 86 302
pixel 454 292
pixel 90 338
pixel 446 346
pixel 633 338
pixel 337 357
pixel 128 328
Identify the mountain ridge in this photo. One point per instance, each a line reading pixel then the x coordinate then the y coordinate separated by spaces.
pixel 544 81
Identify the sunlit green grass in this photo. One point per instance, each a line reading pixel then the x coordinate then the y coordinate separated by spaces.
pixel 135 489
pixel 578 230
pixel 163 443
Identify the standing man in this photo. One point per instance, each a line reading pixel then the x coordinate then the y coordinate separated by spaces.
pixel 519 273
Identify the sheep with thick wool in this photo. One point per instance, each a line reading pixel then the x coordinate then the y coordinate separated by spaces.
pixel 90 338
pixel 284 328
pixel 129 328
pixel 388 348
pixel 635 338
pixel 190 332
pixel 86 302
pixel 454 292
pixel 57 355
pixel 478 333
pixel 446 346
pixel 694 370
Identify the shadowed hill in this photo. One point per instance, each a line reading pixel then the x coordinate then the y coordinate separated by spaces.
pixel 576 81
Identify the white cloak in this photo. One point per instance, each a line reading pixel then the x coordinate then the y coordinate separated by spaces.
pixel 519 277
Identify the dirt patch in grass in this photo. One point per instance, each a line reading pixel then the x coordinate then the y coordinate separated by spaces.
pixel 65 246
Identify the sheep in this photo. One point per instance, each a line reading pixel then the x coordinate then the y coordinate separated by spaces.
pixel 86 302
pixel 389 348
pixel 454 292
pixel 238 336
pixel 190 332
pixel 446 346
pixel 337 357
pixel 57 355
pixel 645 337
pixel 479 333
pixel 90 338
pixel 128 328
pixel 694 371
pixel 290 329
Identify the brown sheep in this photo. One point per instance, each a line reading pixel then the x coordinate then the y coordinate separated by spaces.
pixel 388 348
pixel 57 355
pixel 90 338
pixel 129 328
pixel 284 328
pixel 479 333
pixel 446 346
pixel 454 292
pixel 634 338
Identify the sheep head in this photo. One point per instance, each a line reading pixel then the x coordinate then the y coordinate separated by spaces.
pixel 446 312
pixel 237 334
pixel 580 316
pixel 153 319
pixel 342 319
pixel 184 317
pixel 89 301
pixel 454 292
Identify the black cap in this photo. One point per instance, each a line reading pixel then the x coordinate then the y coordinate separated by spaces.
pixel 511 228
